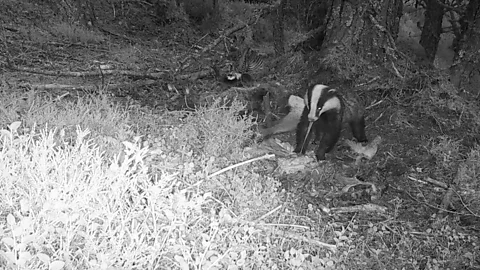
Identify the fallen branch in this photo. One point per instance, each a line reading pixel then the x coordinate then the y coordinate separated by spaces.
pixel 57 86
pixel 246 89
pixel 195 76
pixel 430 181
pixel 369 207
pixel 436 182
pixel 154 75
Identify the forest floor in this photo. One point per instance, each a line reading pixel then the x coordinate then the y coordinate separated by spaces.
pixel 421 140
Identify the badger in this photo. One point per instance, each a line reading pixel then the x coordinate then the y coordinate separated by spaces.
pixel 346 105
pixel 325 110
pixel 237 79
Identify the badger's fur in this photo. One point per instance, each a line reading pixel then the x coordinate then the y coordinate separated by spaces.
pixel 325 110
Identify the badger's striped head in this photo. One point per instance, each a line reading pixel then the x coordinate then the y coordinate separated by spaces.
pixel 320 99
pixel 232 76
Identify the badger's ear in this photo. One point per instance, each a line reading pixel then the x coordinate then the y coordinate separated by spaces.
pixel 332 90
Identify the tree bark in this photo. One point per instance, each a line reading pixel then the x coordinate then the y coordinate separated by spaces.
pixel 467 25
pixel 86 13
pixel 74 11
pixel 66 9
pixel 392 11
pixel 432 28
pixel 356 30
pixel 465 72
pixel 278 34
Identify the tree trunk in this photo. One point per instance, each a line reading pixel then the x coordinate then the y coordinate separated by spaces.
pixel 467 25
pixel 278 34
pixel 314 17
pixel 356 30
pixel 465 72
pixel 75 11
pixel 432 28
pixel 87 13
pixel 65 9
pixel 392 11
pixel 215 14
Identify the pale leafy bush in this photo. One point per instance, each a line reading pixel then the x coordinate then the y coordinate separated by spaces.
pixel 65 204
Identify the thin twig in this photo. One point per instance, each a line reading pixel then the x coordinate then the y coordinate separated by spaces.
pixel 434 206
pixel 306 136
pixel 378 118
pixel 436 182
pixel 397 72
pixel 369 82
pixel 305 239
pixel 266 156
pixel 287 225
pixel 429 180
pixel 267 214
pixel 374 104
pixel 416 180
pixel 465 206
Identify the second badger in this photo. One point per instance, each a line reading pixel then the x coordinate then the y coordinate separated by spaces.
pixel 325 110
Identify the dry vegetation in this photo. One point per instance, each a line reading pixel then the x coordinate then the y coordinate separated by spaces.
pixel 113 180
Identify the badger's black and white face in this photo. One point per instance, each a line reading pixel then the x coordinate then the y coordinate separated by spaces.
pixel 320 99
pixel 233 76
